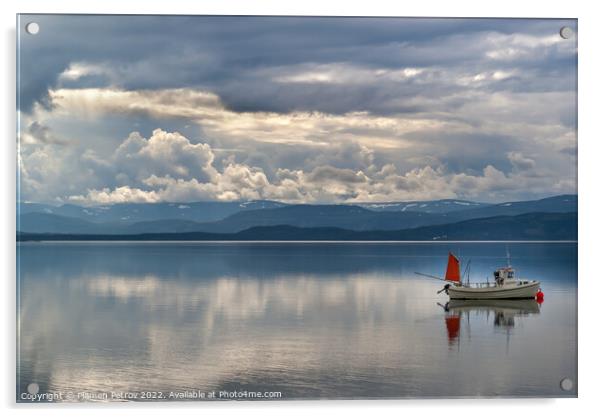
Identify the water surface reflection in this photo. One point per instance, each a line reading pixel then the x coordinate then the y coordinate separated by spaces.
pixel 309 320
pixel 504 314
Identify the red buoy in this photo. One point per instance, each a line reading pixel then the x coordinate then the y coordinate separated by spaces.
pixel 539 296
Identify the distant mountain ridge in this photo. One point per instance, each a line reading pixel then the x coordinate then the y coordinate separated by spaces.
pixel 435 206
pixel 358 218
pixel 37 218
pixel 531 226
pixel 557 204
pixel 209 211
pixel 340 216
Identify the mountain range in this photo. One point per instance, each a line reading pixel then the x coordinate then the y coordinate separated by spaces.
pixel 531 226
pixel 232 218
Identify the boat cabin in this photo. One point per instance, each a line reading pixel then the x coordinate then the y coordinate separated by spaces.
pixel 503 274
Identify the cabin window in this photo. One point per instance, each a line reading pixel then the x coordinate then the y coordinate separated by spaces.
pixel 510 274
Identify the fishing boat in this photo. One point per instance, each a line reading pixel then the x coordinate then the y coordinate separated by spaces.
pixel 505 285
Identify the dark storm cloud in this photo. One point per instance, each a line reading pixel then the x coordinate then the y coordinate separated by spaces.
pixel 43 133
pixel 238 58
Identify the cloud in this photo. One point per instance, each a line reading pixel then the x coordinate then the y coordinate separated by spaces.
pixel 340 73
pixel 465 113
pixel 78 70
pixel 206 109
pixel 165 154
pixel 521 46
pixel 521 162
pixel 319 115
pixel 36 132
pixel 343 153
pixel 326 157
pixel 162 167
pixel 325 174
pixel 227 55
pixel 122 194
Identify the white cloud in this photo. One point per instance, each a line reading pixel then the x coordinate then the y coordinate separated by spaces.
pixel 165 154
pixel 521 162
pixel 174 159
pixel 341 73
pixel 77 70
pixel 122 194
pixel 503 47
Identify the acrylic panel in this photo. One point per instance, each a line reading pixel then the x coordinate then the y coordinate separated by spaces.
pixel 280 208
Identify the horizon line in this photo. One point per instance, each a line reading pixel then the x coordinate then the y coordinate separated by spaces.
pixel 299 241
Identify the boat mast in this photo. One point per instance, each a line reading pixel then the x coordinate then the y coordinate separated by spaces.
pixel 467 273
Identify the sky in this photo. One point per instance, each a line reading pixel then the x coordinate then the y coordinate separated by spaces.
pixel 116 109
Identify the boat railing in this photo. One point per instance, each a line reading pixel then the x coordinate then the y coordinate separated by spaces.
pixel 482 285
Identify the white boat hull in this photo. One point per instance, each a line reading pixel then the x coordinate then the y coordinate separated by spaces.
pixel 503 292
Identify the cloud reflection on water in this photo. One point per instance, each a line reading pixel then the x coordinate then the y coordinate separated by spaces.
pixel 373 333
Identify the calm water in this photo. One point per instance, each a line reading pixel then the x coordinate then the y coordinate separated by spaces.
pixel 308 320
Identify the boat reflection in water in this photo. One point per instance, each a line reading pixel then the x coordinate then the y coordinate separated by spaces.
pixel 504 313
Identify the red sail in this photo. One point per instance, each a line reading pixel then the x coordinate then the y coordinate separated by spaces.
pixel 453 269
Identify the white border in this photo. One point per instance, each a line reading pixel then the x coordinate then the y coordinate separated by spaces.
pixel 590 67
